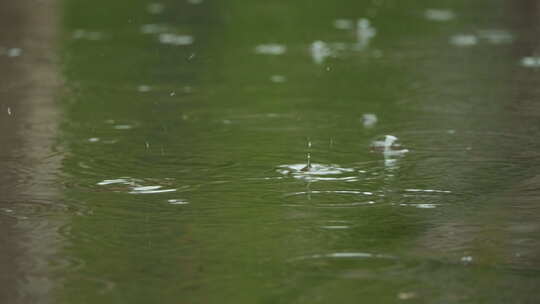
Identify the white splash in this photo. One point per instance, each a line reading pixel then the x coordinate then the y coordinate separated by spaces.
pixel 364 33
pixel 195 1
pixel 369 120
pixel 440 15
pixel 319 51
pixel 390 149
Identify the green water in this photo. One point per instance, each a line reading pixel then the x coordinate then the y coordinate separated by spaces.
pixel 180 176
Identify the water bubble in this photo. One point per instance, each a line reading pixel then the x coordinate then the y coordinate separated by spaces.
pixel 93 139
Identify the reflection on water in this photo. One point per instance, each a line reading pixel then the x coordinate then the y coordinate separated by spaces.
pixel 179 168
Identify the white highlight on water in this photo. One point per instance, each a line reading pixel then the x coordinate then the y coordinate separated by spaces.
pixel 155 8
pixel 123 127
pixel 177 202
pixel 530 62
pixel 174 39
pixel 153 28
pixel 496 36
pixel 271 49
pixel 143 88
pixel 440 15
pixel 343 24
pixel 428 190
pixel 464 40
pixel 88 35
pixel 14 52
pixel 278 78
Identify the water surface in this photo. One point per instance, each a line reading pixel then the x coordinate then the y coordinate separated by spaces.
pixel 185 128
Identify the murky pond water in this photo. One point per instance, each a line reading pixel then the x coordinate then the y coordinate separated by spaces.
pixel 270 152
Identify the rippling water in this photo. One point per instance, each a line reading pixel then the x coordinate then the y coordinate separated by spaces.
pixel 169 162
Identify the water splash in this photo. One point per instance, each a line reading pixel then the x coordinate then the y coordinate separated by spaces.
pixel 364 33
pixel 320 51
pixel 390 149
